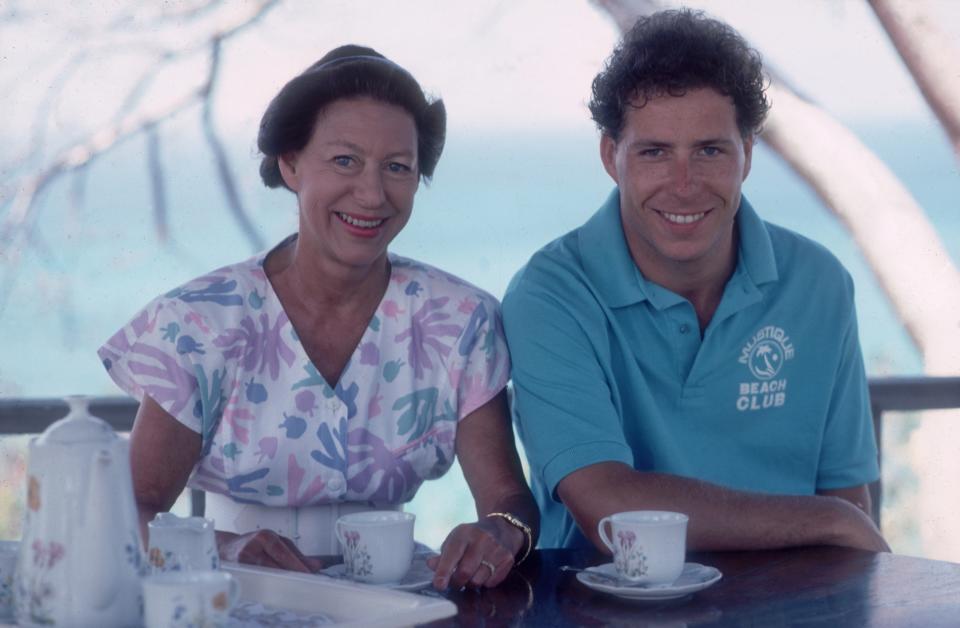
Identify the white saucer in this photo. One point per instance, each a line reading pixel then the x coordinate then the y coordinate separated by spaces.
pixel 695 577
pixel 419 576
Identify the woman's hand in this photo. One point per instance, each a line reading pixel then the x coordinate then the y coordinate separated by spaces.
pixel 265 548
pixel 479 554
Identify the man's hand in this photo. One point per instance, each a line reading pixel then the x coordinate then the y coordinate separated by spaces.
pixel 265 548
pixel 855 529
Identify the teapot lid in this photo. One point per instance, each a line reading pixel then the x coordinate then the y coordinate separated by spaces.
pixel 78 426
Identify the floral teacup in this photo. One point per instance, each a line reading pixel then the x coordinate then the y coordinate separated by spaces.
pixel 197 598
pixel 377 545
pixel 649 546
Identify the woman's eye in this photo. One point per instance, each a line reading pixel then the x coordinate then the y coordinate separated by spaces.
pixel 343 160
pixel 398 168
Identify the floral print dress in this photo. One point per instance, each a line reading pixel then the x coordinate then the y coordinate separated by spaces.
pixel 220 355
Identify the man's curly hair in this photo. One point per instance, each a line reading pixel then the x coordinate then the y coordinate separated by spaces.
pixel 671 52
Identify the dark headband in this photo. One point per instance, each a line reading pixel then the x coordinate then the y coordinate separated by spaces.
pixel 342 60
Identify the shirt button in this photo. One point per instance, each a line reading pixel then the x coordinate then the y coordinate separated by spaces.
pixel 333 405
pixel 684 328
pixel 335 484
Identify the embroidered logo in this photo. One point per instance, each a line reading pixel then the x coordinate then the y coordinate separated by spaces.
pixel 764 355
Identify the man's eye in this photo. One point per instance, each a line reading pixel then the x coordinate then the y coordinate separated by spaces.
pixel 343 160
pixel 397 167
pixel 652 152
pixel 710 151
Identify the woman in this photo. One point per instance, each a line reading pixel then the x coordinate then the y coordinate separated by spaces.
pixel 327 375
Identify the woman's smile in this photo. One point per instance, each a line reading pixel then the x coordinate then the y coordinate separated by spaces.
pixel 363 227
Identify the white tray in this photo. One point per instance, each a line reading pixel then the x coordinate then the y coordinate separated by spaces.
pixel 348 603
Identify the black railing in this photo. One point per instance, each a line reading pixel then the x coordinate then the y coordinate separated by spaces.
pixel 29 416
pixel 32 416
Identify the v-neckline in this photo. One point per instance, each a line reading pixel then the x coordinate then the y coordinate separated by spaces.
pixel 272 295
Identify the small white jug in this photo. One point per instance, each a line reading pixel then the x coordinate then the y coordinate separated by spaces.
pixel 182 544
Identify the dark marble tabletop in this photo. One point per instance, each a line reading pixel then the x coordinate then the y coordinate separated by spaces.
pixel 810 587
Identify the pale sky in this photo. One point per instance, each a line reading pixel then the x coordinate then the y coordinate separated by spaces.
pixel 529 63
pixel 498 64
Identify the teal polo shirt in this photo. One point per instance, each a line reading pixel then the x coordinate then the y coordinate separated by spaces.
pixel 608 366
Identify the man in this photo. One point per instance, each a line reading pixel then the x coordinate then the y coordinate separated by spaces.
pixel 676 352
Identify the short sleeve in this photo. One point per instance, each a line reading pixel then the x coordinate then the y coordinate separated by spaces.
pixel 848 456
pixel 483 359
pixel 565 414
pixel 161 352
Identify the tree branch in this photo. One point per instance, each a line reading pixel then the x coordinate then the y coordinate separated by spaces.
pixel 133 118
pixel 931 58
pixel 157 189
pixel 882 217
pixel 220 155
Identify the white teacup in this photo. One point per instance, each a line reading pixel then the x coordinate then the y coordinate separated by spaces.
pixel 182 544
pixel 649 546
pixel 377 545
pixel 8 566
pixel 192 598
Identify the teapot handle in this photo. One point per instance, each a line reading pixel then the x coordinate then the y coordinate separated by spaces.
pixel 100 580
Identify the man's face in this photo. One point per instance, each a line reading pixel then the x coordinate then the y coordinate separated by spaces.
pixel 679 164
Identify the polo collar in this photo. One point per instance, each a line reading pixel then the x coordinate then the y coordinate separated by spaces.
pixel 607 261
pixel 606 258
pixel 756 256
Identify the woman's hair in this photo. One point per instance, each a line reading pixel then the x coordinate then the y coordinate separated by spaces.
pixel 346 72
pixel 671 52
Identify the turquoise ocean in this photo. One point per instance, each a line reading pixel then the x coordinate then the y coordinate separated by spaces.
pixel 495 199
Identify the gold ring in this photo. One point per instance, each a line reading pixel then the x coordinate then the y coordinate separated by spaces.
pixel 488 565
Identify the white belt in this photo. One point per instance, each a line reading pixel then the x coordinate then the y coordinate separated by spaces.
pixel 311 528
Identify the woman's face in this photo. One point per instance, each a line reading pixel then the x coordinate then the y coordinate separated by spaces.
pixel 355 181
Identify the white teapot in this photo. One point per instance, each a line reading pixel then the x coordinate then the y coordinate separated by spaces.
pixel 81 557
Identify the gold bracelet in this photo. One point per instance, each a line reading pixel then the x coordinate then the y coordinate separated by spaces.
pixel 515 522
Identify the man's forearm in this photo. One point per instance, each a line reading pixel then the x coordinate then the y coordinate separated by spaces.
pixel 859 496
pixel 720 518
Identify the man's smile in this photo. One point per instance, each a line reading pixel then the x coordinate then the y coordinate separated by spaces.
pixel 682 219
